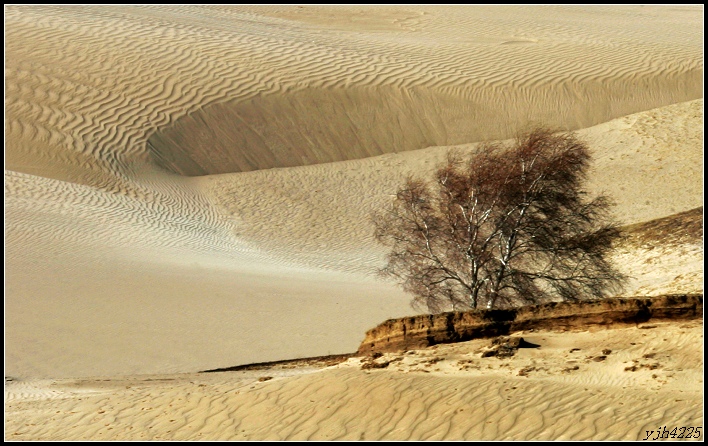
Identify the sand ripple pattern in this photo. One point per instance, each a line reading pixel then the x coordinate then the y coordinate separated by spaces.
pixel 446 392
pixel 472 77
pixel 349 405
pixel 115 114
pixel 48 212
pixel 131 71
pixel 198 90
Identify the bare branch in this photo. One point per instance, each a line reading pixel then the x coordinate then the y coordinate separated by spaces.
pixel 504 226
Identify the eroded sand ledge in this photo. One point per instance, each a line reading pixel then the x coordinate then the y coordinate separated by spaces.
pixel 422 331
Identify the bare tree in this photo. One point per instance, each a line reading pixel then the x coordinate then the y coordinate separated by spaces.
pixel 504 227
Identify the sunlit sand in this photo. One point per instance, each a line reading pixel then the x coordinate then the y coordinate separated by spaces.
pixel 189 188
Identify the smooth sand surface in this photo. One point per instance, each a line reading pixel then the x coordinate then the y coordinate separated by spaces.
pixel 189 187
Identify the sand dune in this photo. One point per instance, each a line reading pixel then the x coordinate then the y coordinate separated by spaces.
pixel 349 95
pixel 571 388
pixel 189 187
pixel 646 173
pixel 133 73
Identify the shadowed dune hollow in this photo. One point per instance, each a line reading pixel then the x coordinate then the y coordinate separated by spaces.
pixel 322 125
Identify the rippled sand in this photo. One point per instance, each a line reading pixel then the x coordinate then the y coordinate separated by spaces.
pixel 189 187
pixel 616 384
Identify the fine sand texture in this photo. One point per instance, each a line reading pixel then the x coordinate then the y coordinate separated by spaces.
pixel 190 188
pixel 617 384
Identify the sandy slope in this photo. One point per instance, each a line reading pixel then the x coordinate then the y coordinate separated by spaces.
pixel 87 86
pixel 123 257
pixel 615 384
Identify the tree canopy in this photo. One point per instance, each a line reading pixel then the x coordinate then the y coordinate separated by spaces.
pixel 502 227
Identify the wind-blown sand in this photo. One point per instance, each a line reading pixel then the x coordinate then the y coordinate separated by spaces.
pixel 568 389
pixel 189 187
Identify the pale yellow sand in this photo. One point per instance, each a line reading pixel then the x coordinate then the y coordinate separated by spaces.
pixel 146 231
pixel 565 390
